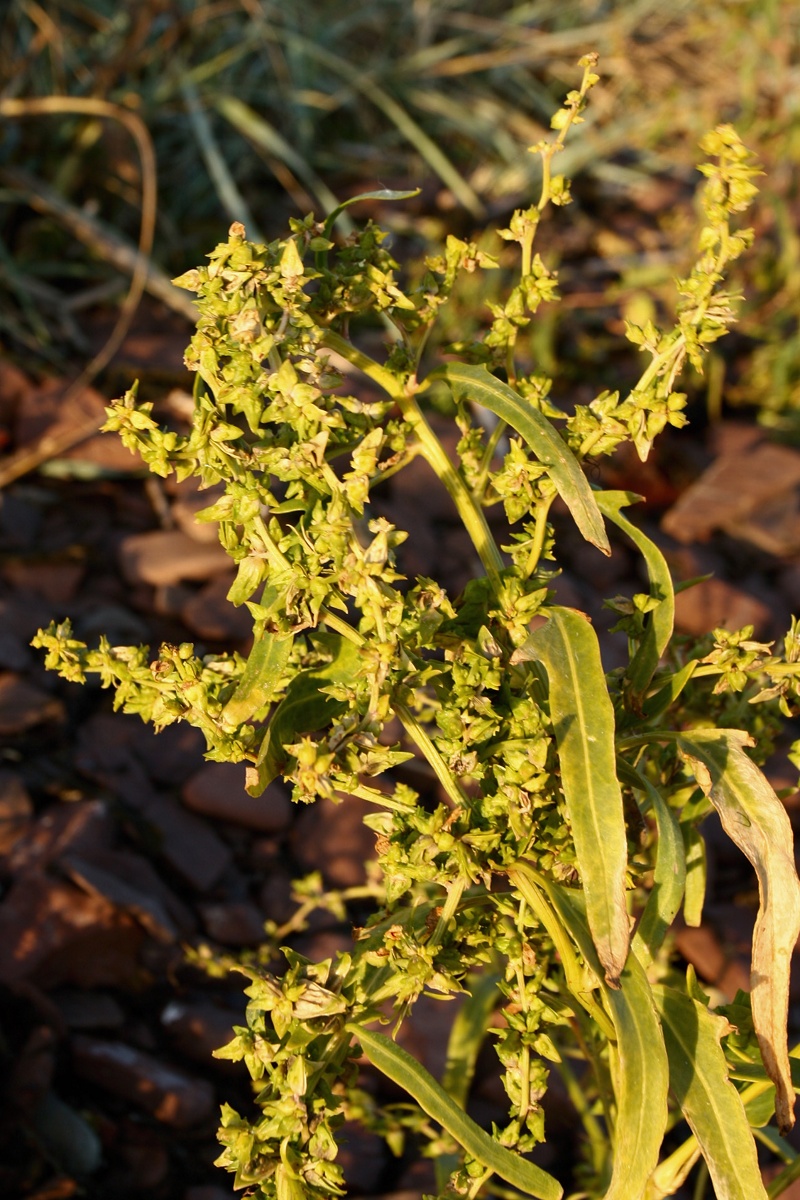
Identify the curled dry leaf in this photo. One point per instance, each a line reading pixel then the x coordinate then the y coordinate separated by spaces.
pixel 754 818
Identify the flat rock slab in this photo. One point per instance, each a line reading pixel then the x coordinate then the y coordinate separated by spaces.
pixel 166 556
pixel 217 790
pixel 715 603
pixel 167 1093
pixel 733 488
pixel 24 706
pixel 53 934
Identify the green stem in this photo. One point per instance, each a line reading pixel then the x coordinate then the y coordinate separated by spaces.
pixel 421 739
pixel 522 877
pixel 491 446
pixel 449 909
pixel 431 449
pixel 539 534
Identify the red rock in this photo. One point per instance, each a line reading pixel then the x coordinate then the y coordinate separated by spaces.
pixel 333 839
pixel 234 924
pixel 198 1029
pixel 701 947
pixel 42 411
pixel 167 1093
pixel 209 614
pixel 16 810
pixel 715 603
pixel 187 504
pixel 79 827
pixel 52 934
pixel 187 843
pixel 89 1010
pixel 23 705
pixel 731 490
pixel 56 582
pixel 217 790
pixel 168 556
pixel 142 894
pixel 170 756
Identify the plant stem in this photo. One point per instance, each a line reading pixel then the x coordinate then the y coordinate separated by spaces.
pixel 431 449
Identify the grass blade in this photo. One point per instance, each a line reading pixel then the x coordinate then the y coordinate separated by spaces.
pixel 405 1071
pixel 583 722
pixel 754 818
pixel 259 131
pixel 229 195
pixel 476 383
pixel 662 619
pixel 710 1103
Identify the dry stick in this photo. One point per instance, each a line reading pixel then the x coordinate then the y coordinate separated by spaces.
pixel 51 444
pixel 104 242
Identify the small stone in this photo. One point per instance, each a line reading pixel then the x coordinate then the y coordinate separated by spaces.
pixel 714 603
pixel 52 933
pixel 16 810
pixel 102 881
pixel 23 705
pixel 198 1029
pixel 89 1010
pixel 187 505
pixel 167 1093
pixel 731 489
pixel 333 839
pixel 171 755
pixel 209 613
pixel 68 1137
pixel 169 556
pixel 217 790
pixel 56 582
pixel 701 947
pixel 80 827
pixel 234 924
pixel 188 845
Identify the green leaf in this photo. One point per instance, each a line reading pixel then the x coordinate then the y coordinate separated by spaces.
pixel 304 709
pixel 657 704
pixel 583 723
pixel 696 875
pixel 260 677
pixel 662 619
pixel 405 1071
pixel 476 383
pixel 380 194
pixel 467 1035
pixel 712 1106
pixel 754 818
pixel 639 1068
pixel 669 876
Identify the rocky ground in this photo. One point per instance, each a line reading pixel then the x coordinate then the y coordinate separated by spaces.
pixel 119 849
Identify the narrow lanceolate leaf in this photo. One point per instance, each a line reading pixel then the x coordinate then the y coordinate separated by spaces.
pixel 713 1108
pixel 754 818
pixel 583 723
pixel 669 875
pixel 639 1068
pixel 476 383
pixel 261 675
pixel 304 708
pixel 405 1071
pixel 661 620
